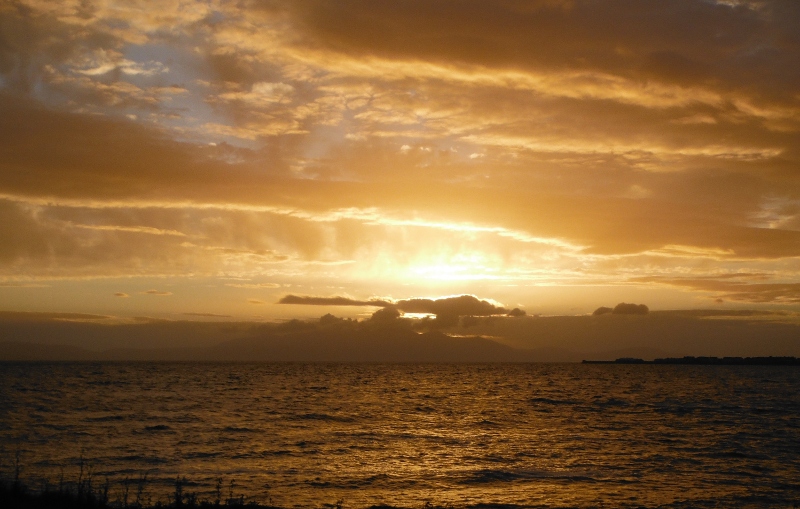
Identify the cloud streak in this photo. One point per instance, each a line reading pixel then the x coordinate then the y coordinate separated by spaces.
pixel 737 287
pixel 160 293
pixel 331 301
pixel 461 305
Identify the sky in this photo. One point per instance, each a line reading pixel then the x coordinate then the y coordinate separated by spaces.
pixel 207 159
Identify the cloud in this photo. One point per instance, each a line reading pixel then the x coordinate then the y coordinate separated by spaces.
pixel 662 47
pixel 261 94
pixel 316 142
pixel 253 285
pixel 156 292
pixel 386 314
pixel 331 301
pixel 749 288
pixel 189 177
pixel 132 229
pixel 461 305
pixel 208 315
pixel 104 61
pixel 446 306
pixel 121 294
pixel 29 316
pixel 255 301
pixel 624 308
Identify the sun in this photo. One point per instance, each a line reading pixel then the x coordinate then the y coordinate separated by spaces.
pixel 459 267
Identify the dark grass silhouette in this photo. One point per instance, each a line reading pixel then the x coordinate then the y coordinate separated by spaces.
pixel 85 493
pixel 15 495
pixel 132 494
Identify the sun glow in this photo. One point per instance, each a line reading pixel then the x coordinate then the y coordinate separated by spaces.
pixel 461 267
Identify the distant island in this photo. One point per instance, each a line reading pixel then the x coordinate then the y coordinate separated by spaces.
pixel 708 361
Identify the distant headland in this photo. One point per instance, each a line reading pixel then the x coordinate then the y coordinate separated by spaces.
pixel 708 361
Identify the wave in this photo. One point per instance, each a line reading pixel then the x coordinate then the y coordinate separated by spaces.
pixel 315 416
pixel 158 427
pixel 238 429
pixel 549 401
pixel 485 476
pixel 107 418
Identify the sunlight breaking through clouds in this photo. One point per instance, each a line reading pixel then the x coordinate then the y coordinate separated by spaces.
pixel 350 144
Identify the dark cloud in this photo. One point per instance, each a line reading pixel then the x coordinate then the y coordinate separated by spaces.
pixel 624 308
pixel 88 157
pixel 737 288
pixel 672 40
pixel 776 293
pixel 156 292
pixel 730 313
pixel 31 316
pixel 463 305
pixel 387 314
pixel 451 306
pixel 331 301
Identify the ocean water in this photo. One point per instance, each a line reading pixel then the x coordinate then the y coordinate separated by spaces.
pixel 508 435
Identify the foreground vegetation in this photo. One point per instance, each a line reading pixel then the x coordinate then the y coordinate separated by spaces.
pixel 15 495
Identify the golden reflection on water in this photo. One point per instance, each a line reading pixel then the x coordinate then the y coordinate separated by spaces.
pixel 305 435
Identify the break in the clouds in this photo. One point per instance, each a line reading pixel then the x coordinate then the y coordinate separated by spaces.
pixel 537 150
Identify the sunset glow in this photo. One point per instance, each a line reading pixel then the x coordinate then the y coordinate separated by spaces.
pixel 394 254
pixel 350 148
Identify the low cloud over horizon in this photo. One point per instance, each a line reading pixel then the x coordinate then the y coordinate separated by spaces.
pixel 462 305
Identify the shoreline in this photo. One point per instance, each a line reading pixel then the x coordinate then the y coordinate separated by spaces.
pixel 706 361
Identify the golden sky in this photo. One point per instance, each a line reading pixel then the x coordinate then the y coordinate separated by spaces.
pixel 172 157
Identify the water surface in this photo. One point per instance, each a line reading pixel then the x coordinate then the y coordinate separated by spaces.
pixel 305 435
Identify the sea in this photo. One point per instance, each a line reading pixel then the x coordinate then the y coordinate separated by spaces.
pixel 321 435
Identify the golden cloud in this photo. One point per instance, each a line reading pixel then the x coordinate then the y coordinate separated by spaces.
pixel 320 142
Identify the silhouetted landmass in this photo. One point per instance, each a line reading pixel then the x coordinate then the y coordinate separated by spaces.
pixel 708 361
pixel 324 344
pixel 390 337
